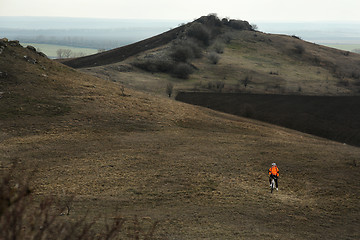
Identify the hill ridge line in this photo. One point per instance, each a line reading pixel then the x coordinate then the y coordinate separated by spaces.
pixel 122 53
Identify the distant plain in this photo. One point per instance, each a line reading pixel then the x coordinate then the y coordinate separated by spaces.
pixel 50 49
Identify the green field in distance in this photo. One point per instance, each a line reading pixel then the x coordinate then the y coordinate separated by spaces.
pixel 50 49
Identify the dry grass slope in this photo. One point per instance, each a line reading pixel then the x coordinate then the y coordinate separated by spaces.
pixel 201 173
pixel 275 64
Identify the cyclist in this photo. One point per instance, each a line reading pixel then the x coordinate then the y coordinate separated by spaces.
pixel 274 174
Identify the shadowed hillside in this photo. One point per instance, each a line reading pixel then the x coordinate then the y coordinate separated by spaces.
pixel 199 173
pixel 122 53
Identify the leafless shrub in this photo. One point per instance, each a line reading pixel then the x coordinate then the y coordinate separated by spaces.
pixel 239 24
pixel 246 80
pixel 254 27
pixel 154 65
pixel 199 32
pixel 136 230
pixel 210 20
pixel 122 89
pixel 169 89
pixel 184 50
pixel 220 85
pixel 66 203
pixel 219 47
pixel 214 57
pixel 63 53
pixel 21 217
pixel 182 53
pixel 227 37
pixel 182 70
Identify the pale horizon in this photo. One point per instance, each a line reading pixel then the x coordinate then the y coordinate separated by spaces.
pixel 252 11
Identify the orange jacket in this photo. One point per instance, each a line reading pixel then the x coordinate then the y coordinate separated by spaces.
pixel 274 170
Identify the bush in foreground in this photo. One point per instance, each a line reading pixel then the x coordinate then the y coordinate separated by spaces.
pixel 22 217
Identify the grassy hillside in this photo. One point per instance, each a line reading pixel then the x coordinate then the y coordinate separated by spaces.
pixel 248 61
pixel 201 173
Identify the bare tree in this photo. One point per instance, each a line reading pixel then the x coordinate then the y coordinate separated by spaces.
pixel 214 57
pixel 67 53
pixel 122 89
pixel 63 53
pixel 246 80
pixel 254 27
pixel 59 53
pixel 169 89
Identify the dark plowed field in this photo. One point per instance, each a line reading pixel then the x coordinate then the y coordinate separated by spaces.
pixel 335 118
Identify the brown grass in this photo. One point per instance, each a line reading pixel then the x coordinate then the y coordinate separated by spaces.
pixel 317 70
pixel 201 173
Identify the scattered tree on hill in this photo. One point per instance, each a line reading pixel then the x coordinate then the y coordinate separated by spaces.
pixel 190 44
pixel 227 37
pixel 220 85
pixel 169 89
pixel 182 70
pixel 199 32
pixel 182 53
pixel 239 24
pixel 63 53
pixel 214 57
pixel 254 27
pixel 122 89
pixel 219 47
pixel 246 80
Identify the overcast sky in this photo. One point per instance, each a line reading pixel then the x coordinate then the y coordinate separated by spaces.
pixel 187 10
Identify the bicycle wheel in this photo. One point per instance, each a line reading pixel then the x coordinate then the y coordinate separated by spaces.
pixel 272 185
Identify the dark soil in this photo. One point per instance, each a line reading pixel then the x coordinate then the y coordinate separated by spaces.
pixel 335 118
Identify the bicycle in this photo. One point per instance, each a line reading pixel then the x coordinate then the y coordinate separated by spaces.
pixel 272 185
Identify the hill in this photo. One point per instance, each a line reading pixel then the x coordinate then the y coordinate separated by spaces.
pixel 246 61
pixel 230 60
pixel 201 173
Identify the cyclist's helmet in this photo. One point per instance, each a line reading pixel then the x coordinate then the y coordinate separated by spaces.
pixel 273 164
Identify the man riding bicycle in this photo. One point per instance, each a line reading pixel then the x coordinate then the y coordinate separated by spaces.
pixel 274 174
